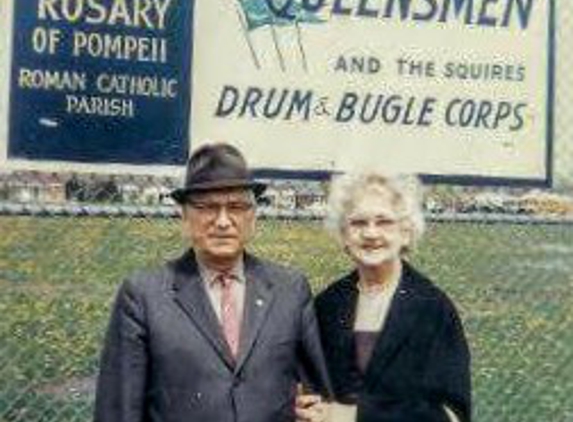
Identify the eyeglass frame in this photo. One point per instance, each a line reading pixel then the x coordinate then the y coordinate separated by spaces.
pixel 380 222
pixel 210 210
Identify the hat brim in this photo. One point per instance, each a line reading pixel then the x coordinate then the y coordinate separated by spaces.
pixel 181 195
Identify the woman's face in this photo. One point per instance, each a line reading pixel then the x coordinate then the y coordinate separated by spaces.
pixel 374 231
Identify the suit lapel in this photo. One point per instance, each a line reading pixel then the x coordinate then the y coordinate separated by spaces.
pixel 191 296
pixel 401 321
pixel 258 301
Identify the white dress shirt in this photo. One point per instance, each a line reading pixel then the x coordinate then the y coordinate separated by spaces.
pixel 213 288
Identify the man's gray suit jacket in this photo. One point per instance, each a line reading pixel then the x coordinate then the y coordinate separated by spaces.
pixel 165 358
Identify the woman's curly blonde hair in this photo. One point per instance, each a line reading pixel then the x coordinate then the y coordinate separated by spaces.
pixel 406 190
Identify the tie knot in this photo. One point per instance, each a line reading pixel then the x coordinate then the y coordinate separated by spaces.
pixel 225 280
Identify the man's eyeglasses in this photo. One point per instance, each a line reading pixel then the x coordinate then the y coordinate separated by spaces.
pixel 211 209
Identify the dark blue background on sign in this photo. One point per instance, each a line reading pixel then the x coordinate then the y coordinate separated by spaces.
pixel 158 132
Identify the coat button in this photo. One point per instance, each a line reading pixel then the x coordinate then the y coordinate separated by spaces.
pixel 237 381
pixel 195 399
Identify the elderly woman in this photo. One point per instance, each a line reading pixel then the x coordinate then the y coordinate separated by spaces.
pixel 393 341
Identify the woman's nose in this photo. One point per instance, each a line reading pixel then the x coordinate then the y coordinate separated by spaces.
pixel 371 230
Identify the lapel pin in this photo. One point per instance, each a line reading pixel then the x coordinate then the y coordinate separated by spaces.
pixel 259 302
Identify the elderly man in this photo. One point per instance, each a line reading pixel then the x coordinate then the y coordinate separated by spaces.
pixel 217 335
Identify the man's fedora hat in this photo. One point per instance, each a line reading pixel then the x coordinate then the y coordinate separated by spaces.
pixel 216 167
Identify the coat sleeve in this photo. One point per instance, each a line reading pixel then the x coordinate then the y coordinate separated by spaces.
pixel 448 379
pixel 312 365
pixel 121 383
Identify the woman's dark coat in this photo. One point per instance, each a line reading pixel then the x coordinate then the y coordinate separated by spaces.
pixel 421 360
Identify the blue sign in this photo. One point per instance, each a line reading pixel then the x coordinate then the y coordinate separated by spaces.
pixel 101 81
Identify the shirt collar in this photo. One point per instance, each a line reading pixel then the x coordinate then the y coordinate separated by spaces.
pixel 209 275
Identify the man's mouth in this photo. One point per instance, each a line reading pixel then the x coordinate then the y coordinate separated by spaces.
pixel 223 238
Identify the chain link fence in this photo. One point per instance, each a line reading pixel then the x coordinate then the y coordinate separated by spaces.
pixel 509 270
pixel 504 255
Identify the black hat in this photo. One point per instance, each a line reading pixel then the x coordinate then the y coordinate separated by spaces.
pixel 216 167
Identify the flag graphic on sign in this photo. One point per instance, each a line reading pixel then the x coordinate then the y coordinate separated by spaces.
pixel 256 14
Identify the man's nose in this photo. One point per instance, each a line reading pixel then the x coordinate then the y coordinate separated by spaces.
pixel 223 219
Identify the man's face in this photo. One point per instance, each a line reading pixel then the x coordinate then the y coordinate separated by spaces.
pixel 219 224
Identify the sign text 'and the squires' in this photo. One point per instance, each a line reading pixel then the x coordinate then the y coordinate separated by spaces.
pixel 289 103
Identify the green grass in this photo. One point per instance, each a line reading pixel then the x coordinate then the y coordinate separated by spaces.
pixel 512 284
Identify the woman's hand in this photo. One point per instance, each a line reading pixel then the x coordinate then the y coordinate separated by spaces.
pixel 311 408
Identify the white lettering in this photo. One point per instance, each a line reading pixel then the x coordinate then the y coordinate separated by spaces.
pixel 52 80
pixel 149 14
pixel 142 86
pixel 119 47
pixel 100 106
pixel 72 10
pixel 47 7
pixel 96 13
pixel 161 8
pixel 119 11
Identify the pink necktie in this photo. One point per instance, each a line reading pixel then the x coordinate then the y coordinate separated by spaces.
pixel 230 320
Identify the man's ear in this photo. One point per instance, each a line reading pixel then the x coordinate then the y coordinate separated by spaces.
pixel 184 212
pixel 252 226
pixel 185 220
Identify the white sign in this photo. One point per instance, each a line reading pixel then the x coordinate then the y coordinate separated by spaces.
pixel 448 88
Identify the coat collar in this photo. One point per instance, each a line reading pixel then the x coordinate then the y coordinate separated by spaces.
pixel 190 295
pixel 259 298
pixel 405 312
pixel 402 318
